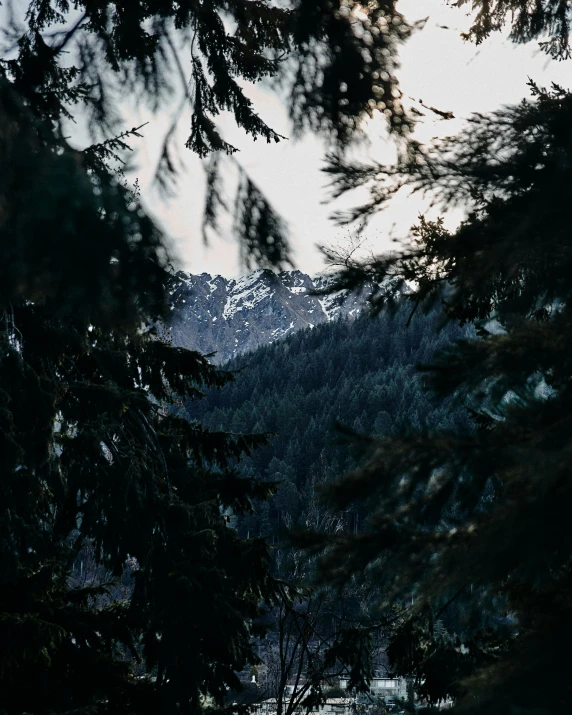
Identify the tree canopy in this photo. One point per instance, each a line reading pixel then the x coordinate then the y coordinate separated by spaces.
pixel 64 60
pixel 335 61
pixel 472 530
pixel 93 462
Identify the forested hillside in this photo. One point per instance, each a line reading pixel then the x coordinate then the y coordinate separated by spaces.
pixel 358 373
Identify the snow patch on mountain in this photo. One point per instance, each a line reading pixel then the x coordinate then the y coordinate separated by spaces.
pixel 233 316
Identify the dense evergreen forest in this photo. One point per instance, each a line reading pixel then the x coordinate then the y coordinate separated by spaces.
pixel 359 375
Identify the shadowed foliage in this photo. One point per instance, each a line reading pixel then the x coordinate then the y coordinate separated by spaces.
pixel 94 462
pixel 471 531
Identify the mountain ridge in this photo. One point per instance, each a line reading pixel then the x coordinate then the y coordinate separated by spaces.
pixel 232 316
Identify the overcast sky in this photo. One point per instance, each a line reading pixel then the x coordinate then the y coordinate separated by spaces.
pixel 437 67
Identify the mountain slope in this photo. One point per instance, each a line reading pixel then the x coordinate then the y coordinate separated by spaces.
pixel 360 373
pixel 233 316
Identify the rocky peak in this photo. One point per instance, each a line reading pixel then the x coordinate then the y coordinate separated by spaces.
pixel 233 316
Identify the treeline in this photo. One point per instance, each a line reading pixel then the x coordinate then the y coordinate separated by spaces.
pixel 359 374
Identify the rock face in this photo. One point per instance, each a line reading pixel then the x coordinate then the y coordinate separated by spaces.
pixel 233 316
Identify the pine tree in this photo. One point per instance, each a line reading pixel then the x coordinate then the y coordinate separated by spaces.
pixel 96 466
pixel 475 528
pixel 548 21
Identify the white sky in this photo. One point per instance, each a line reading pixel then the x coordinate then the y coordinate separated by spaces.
pixel 437 67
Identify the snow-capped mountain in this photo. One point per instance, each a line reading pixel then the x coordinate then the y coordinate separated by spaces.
pixel 233 316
